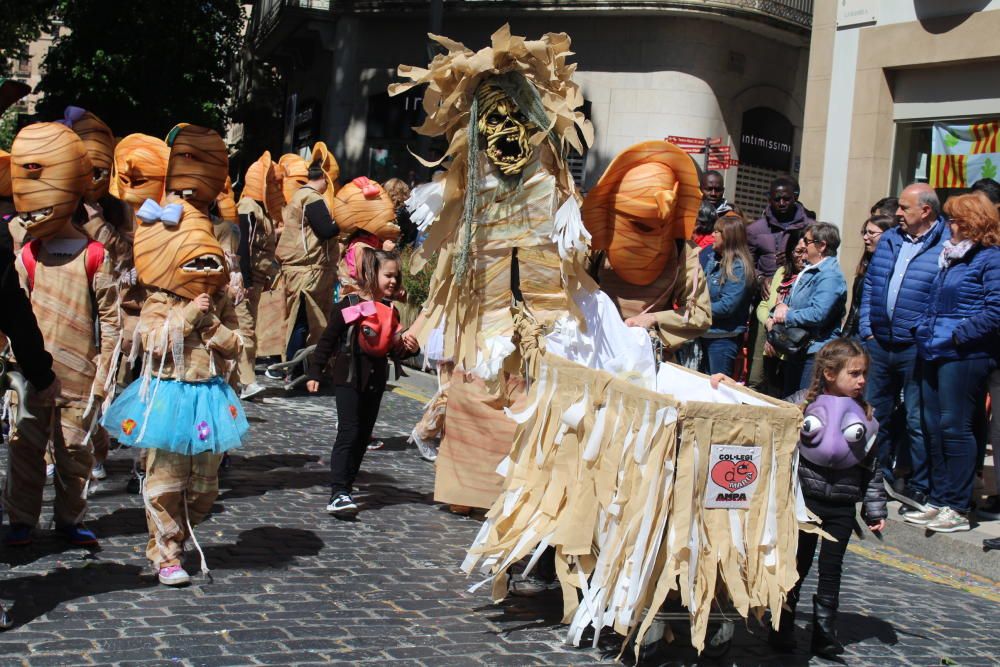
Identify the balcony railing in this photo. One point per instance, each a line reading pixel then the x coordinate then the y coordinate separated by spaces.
pixel 267 13
pixel 795 14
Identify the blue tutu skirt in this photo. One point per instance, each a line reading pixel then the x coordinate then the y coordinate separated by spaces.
pixel 185 417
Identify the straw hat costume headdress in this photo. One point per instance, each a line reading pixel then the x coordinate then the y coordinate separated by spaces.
pixel 510 114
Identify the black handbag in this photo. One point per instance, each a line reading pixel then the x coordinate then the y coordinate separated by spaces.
pixel 789 341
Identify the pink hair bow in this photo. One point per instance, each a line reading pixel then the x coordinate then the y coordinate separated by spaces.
pixel 363 309
pixel 368 188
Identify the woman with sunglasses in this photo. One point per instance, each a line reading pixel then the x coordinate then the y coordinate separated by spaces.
pixel 815 303
pixel 871 232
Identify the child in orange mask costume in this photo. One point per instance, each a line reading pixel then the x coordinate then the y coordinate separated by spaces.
pixel 72 290
pixel 182 411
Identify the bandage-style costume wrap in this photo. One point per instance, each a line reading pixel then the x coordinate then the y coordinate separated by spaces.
pixel 182 410
pixel 71 288
pixel 261 195
pixel 506 207
pixel 640 215
pixel 306 250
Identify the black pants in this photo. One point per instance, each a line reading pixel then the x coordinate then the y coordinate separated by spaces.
pixel 356 415
pixel 839 524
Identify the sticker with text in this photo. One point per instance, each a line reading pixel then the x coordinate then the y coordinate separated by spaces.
pixel 733 472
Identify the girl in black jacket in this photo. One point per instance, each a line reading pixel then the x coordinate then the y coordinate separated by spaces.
pixel 361 336
pixel 832 492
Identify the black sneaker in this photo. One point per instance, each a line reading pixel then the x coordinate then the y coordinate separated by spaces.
pixel 989 509
pixel 342 504
pixel 531 585
pixel 135 483
pixel 908 496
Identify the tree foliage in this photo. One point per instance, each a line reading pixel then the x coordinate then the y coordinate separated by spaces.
pixel 145 66
pixel 21 22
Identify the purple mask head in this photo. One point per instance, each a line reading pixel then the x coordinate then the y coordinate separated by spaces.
pixel 836 433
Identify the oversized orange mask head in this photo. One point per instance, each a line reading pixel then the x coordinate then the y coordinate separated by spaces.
pixel 50 172
pixel 198 165
pixel 263 183
pixel 646 200
pixel 176 250
pixel 5 190
pixel 364 204
pixel 226 201
pixel 140 169
pixel 323 158
pixel 296 174
pixel 100 144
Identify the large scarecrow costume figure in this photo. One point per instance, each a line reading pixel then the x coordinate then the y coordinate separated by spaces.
pixel 182 410
pixel 73 296
pixel 505 223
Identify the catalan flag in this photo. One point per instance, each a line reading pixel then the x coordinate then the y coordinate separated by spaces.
pixel 963 154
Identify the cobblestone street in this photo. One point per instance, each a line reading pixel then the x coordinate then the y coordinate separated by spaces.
pixel 292 586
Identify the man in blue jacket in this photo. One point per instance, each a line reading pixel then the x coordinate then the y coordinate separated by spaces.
pixel 894 296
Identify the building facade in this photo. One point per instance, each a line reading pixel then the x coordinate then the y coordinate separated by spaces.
pixel 882 73
pixel 733 70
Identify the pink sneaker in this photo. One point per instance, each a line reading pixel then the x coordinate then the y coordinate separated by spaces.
pixel 174 575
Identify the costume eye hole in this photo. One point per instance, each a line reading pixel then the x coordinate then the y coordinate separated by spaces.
pixel 32 166
pixel 811 425
pixel 854 432
pixel 494 119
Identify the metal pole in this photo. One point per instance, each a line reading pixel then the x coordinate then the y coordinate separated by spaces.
pixel 437 16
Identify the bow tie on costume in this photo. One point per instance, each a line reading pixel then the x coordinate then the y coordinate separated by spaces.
pixel 71 115
pixel 169 215
pixel 363 309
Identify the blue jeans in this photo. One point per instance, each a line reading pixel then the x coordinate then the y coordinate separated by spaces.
pixel 720 354
pixel 893 370
pixel 952 391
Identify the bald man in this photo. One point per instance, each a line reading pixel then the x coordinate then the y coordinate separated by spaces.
pixel 896 286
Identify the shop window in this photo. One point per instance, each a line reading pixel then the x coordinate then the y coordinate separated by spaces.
pixel 913 155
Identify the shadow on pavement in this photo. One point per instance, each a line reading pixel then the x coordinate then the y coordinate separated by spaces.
pixel 266 546
pixel 238 462
pixel 38 594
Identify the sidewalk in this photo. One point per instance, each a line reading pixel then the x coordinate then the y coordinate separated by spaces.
pixel 962 551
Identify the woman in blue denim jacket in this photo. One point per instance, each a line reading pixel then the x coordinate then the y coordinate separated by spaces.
pixel 957 340
pixel 816 302
pixel 729 269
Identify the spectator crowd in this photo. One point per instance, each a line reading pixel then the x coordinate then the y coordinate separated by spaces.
pixel 924 302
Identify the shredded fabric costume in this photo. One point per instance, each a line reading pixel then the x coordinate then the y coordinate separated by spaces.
pixel 506 227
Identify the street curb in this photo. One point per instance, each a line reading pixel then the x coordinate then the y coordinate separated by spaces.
pixel 939 548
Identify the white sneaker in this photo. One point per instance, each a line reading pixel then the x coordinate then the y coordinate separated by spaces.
pixel 342 505
pixel 427 451
pixel 175 575
pixel 98 471
pixel 251 390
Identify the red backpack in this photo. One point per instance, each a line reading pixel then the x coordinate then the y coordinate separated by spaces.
pixel 29 257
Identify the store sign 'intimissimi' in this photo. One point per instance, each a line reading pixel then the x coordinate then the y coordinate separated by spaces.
pixel 764 142
pixel 766 139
